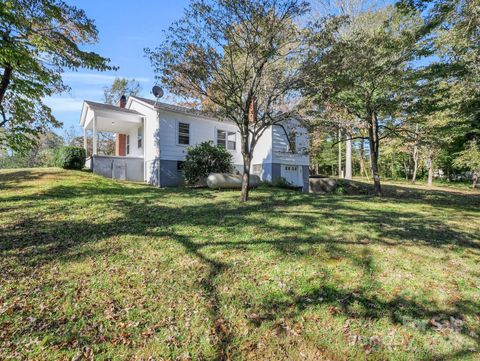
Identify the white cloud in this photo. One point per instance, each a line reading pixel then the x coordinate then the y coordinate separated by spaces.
pixel 64 105
pixel 95 79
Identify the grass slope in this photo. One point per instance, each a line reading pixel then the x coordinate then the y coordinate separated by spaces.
pixel 93 268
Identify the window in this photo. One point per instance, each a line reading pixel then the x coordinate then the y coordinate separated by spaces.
pixel 140 137
pixel 222 138
pixel 231 141
pixel 184 133
pixel 226 139
pixel 257 169
pixel 128 144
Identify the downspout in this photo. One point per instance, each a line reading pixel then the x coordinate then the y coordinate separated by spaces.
pixel 158 148
pixel 144 140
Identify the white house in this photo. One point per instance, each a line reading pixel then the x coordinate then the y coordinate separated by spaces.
pixel 152 140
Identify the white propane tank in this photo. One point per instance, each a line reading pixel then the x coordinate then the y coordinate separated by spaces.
pixel 230 181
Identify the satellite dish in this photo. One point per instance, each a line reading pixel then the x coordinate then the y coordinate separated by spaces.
pixel 157 91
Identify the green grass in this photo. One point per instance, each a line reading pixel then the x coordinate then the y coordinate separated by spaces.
pixel 100 269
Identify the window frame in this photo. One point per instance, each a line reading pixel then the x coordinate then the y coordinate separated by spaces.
pixel 226 139
pixel 140 138
pixel 179 133
pixel 180 166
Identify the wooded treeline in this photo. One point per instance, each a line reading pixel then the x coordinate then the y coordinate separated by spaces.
pixel 401 84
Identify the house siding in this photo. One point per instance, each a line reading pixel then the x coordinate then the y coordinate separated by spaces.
pixel 162 151
pixel 169 174
pixel 280 146
pixel 201 130
pixel 150 140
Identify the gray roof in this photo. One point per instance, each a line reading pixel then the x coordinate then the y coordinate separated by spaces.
pixel 175 108
pixel 111 107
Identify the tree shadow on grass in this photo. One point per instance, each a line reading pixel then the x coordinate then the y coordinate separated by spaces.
pixel 39 241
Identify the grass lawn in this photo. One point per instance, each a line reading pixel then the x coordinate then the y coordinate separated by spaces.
pixel 93 268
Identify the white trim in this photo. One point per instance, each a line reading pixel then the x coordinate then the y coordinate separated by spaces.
pixel 177 133
pixel 95 135
pixel 215 138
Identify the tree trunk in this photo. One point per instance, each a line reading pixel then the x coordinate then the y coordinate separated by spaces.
pixel 339 153
pixel 363 167
pixel 7 74
pixel 362 161
pixel 374 143
pixel 430 169
pixel 247 159
pixel 415 156
pixel 348 157
pixel 476 176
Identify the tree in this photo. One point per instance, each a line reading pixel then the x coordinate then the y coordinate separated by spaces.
pixel 470 159
pixel 362 65
pixel 119 87
pixel 241 57
pixel 448 92
pixel 41 154
pixel 112 95
pixel 38 39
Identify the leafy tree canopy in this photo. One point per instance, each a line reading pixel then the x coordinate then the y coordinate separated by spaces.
pixel 363 66
pixel 239 57
pixel 119 87
pixel 38 40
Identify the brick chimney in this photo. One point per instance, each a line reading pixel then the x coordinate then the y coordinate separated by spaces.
pixel 121 139
pixel 252 111
pixel 123 101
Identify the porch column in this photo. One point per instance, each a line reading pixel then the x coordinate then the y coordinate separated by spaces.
pixel 85 143
pixel 94 152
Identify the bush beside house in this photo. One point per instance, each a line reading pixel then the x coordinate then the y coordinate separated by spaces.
pixel 206 158
pixel 70 157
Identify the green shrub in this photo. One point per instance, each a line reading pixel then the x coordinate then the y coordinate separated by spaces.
pixel 204 159
pixel 70 157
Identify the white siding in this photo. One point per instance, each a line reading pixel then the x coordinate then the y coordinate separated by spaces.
pixel 280 144
pixel 263 149
pixel 161 127
pixel 150 131
pixel 262 155
pixel 201 130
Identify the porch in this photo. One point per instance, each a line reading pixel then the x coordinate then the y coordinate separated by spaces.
pixel 128 161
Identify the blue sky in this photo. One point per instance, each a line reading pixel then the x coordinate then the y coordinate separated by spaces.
pixel 125 29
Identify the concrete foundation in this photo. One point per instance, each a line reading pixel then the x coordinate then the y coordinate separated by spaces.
pixel 121 168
